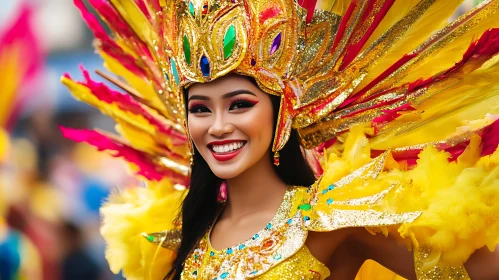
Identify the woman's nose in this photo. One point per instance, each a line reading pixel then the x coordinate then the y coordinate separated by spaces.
pixel 220 127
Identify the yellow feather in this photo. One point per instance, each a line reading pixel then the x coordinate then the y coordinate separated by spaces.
pixel 452 196
pixel 338 7
pixel 137 21
pixel 432 20
pixel 452 53
pixel 398 10
pixel 132 212
pixel 144 89
pixel 357 149
pixel 450 110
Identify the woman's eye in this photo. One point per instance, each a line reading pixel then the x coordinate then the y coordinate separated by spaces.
pixel 198 109
pixel 241 104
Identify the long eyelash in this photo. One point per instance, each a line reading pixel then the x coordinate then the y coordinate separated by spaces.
pixel 242 99
pixel 194 105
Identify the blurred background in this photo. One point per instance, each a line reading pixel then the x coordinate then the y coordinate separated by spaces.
pixel 50 188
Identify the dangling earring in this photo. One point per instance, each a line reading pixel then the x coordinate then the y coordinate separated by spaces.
pixel 276 159
pixel 222 193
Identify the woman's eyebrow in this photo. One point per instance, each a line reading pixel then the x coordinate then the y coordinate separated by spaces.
pixel 237 92
pixel 198 97
pixel 225 96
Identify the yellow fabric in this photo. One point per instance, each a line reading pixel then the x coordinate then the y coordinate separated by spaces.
pixel 371 270
pixel 302 265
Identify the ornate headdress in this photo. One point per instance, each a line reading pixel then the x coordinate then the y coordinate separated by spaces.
pixel 361 62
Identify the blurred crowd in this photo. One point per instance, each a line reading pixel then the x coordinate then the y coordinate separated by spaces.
pixel 50 188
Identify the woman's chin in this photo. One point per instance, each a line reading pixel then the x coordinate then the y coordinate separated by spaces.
pixel 226 172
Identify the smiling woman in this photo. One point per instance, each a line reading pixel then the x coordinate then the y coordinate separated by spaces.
pixel 221 122
pixel 381 98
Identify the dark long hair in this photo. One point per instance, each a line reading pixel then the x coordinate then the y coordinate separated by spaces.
pixel 200 206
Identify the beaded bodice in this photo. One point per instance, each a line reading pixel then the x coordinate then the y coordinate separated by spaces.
pixel 273 252
pixel 278 251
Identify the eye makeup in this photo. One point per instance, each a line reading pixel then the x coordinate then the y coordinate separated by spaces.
pixel 242 103
pixel 197 107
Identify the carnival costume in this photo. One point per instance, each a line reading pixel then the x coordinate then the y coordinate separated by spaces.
pixel 399 106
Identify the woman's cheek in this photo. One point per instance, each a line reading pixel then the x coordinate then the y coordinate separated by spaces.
pixel 196 129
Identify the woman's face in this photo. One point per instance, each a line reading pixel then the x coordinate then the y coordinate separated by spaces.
pixel 230 121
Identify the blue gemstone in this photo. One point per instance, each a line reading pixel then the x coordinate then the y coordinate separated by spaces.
pixel 306 218
pixel 290 221
pixel 224 275
pixel 331 187
pixel 195 272
pixel 277 257
pixel 256 236
pixel 324 191
pixel 241 246
pixel 212 253
pixel 329 201
pixel 205 66
pixel 269 226
pixel 229 251
pixel 254 272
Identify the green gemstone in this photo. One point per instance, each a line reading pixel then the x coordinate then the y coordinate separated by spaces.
pixel 229 41
pixel 305 207
pixel 174 70
pixel 191 9
pixel 187 50
pixel 150 238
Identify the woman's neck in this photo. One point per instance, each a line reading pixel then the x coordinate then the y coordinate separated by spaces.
pixel 257 188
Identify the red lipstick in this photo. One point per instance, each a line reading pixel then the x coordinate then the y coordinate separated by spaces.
pixel 226 155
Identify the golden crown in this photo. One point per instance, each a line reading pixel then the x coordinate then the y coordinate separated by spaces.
pixel 268 40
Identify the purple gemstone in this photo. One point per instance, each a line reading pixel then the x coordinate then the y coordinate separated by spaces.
pixel 205 66
pixel 276 44
pixel 253 62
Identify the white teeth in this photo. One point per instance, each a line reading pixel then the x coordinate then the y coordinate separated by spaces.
pixel 227 148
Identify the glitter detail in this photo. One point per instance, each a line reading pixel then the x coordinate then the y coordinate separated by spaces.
pixel 422 256
pixel 167 239
pixel 280 250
